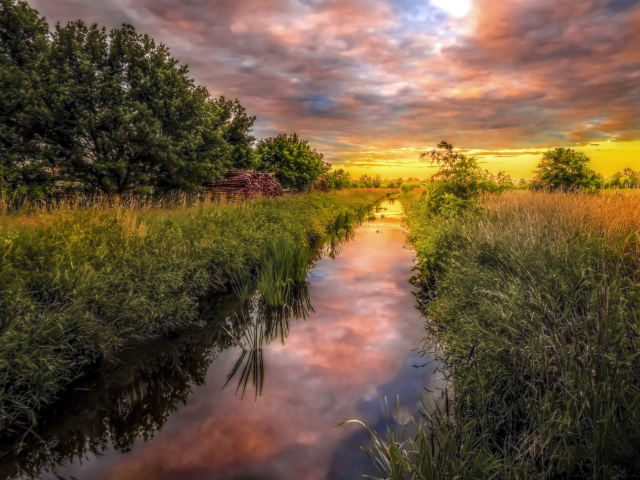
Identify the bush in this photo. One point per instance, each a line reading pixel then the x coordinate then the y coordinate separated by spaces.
pixel 461 177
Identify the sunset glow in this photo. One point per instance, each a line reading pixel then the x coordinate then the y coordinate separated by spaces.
pixel 371 83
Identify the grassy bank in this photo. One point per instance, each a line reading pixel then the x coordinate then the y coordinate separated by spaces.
pixel 535 298
pixel 76 284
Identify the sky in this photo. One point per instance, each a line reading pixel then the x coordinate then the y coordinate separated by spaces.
pixel 372 83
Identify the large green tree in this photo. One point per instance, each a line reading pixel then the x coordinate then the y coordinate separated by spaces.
pixel 292 159
pixel 564 167
pixel 26 158
pixel 113 110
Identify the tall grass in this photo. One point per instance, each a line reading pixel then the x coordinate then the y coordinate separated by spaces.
pixel 535 320
pixel 76 283
pixel 11 203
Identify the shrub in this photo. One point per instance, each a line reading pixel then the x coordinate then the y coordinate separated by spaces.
pixel 459 176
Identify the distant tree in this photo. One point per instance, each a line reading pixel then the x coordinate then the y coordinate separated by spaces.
pixel 292 159
pixel 339 178
pixel 111 110
pixel 564 167
pixel 627 178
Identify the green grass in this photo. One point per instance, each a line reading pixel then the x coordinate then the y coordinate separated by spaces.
pixel 538 315
pixel 76 284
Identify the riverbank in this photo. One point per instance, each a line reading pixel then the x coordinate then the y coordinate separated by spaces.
pixel 160 409
pixel 76 284
pixel 535 297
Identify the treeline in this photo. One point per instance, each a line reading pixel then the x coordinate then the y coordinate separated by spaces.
pixel 460 176
pixel 113 111
pixel 558 168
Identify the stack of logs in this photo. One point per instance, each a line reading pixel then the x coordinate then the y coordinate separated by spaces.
pixel 246 182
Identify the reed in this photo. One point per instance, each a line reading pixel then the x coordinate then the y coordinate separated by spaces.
pixel 283 264
pixel 535 321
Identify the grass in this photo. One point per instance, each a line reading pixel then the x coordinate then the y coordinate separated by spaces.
pixel 78 282
pixel 532 306
pixel 133 395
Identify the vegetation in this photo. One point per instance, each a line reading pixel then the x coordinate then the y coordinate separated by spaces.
pixel 458 180
pixel 141 387
pixel 564 167
pixel 294 162
pixel 63 271
pixel 628 178
pixel 532 307
pixel 338 179
pixel 113 111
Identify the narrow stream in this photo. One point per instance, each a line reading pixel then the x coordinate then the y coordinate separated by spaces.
pixel 165 415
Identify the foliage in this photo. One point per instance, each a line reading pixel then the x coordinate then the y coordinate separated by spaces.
pixel 63 273
pixel 111 110
pixel 339 178
pixel 407 187
pixel 564 167
pixel 536 310
pixel 459 177
pixel 292 159
pixel 25 63
pixel 627 178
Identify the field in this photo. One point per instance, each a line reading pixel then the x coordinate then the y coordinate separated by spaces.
pixel 532 305
pixel 79 281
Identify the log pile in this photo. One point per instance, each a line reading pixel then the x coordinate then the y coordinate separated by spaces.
pixel 246 182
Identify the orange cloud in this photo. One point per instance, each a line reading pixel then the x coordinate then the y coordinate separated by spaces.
pixel 403 73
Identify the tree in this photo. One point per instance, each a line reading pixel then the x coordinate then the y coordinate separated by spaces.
pixel 26 159
pixel 138 120
pixel 339 178
pixel 564 167
pixel 111 110
pixel 293 161
pixel 458 179
pixel 377 180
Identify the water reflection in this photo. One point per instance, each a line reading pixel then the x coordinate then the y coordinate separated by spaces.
pixel 356 346
pixel 260 325
pixel 132 396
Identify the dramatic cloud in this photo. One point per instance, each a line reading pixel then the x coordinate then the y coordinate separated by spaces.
pixel 388 78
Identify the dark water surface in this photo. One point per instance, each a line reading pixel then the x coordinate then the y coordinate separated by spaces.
pixel 164 414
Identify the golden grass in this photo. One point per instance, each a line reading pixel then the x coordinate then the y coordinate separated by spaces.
pixel 598 215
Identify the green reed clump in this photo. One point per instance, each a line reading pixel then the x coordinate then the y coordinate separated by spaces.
pixel 76 284
pixel 536 322
pixel 282 265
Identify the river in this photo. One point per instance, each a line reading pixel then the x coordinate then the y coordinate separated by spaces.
pixel 165 415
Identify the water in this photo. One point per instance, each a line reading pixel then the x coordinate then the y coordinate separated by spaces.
pixel 163 413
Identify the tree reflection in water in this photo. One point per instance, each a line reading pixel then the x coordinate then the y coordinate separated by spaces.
pixel 133 395
pixel 262 324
